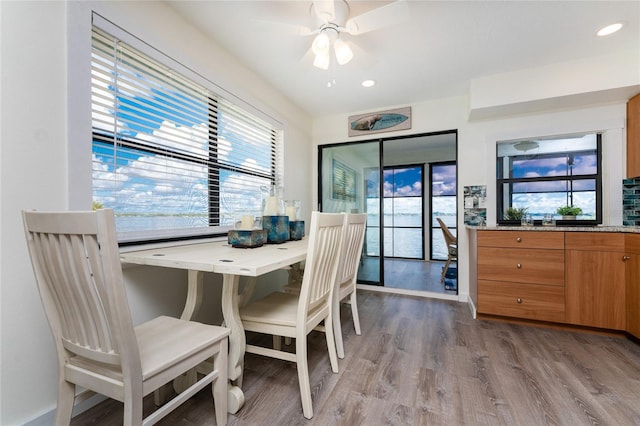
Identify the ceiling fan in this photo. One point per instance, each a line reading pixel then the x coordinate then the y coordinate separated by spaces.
pixel 332 19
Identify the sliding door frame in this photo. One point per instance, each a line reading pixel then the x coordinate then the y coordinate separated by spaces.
pixel 381 143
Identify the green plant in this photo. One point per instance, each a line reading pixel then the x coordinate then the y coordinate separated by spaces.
pixel 513 213
pixel 569 211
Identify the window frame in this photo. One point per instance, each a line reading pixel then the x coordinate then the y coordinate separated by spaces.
pixel 392 227
pixel 435 231
pixel 214 166
pixel 502 182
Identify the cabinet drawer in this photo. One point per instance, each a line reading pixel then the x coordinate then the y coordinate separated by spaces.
pixel 524 266
pixel 522 239
pixel 600 241
pixel 530 301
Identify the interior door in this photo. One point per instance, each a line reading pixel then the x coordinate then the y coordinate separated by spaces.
pixel 349 181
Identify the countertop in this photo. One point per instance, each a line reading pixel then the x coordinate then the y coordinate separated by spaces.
pixel 597 228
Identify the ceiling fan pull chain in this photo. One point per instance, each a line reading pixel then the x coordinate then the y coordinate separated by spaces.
pixel 332 74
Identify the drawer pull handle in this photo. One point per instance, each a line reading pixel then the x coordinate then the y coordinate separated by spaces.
pixel 519 300
pixel 519 239
pixel 625 258
pixel 519 265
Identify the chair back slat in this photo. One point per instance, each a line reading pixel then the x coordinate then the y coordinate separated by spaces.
pixel 355 225
pixel 321 265
pixel 65 263
pixel 77 269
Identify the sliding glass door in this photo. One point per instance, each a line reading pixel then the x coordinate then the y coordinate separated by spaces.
pixel 403 208
pixel 443 178
pixel 350 182
pixel 403 183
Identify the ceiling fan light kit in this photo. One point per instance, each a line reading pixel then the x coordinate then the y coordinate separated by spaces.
pixel 321 61
pixel 332 19
pixel 343 52
pixel 322 44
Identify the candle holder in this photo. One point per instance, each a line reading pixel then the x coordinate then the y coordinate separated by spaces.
pixel 277 228
pixel 272 202
pixel 296 229
pixel 247 220
pixel 292 209
pixel 243 238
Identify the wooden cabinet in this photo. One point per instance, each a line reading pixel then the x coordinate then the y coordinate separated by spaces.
pixel 595 279
pixel 581 278
pixel 521 274
pixel 633 137
pixel 632 278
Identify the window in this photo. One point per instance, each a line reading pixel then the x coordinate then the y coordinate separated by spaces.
pixel 542 175
pixel 403 236
pixel 170 156
pixel 443 206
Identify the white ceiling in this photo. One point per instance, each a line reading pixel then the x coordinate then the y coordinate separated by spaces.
pixel 443 46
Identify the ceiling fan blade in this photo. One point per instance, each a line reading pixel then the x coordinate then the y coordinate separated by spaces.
pixel 325 10
pixel 390 14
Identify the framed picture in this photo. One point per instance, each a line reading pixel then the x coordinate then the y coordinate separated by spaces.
pixel 382 121
pixel 343 180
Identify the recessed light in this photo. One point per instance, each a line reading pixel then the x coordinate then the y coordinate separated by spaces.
pixel 609 29
pixel 368 83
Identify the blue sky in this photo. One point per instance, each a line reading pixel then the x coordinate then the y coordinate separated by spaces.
pixel 137 182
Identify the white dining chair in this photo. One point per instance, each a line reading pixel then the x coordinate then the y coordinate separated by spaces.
pixel 354 232
pixel 346 278
pixel 77 268
pixel 290 315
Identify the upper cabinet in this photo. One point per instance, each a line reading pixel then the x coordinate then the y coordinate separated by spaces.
pixel 633 137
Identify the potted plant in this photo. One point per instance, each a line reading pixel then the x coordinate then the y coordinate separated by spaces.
pixel 513 213
pixel 569 212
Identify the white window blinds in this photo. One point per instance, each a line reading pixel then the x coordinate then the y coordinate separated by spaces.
pixel 170 156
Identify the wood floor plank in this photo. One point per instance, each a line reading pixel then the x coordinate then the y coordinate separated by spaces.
pixel 428 362
pixel 438 400
pixel 479 408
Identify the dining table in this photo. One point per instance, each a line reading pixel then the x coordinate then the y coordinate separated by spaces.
pixel 232 263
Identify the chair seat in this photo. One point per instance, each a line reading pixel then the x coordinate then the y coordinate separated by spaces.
pixel 167 341
pixel 275 308
pixel 163 342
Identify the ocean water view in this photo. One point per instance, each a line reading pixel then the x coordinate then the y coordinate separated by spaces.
pixel 133 223
pixel 407 242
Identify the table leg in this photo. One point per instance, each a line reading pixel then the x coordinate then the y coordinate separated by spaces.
pixel 194 295
pixel 247 291
pixel 191 309
pixel 237 340
pixel 230 300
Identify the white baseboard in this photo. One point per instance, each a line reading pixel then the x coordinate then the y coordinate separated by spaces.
pixel 83 404
pixel 405 292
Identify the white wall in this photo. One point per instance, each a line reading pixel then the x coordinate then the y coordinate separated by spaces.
pixel 45 160
pixel 34 163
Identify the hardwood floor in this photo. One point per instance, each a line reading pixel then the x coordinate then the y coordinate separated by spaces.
pixel 406 274
pixel 415 275
pixel 428 362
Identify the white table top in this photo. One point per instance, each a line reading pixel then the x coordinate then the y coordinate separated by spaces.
pixel 221 258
